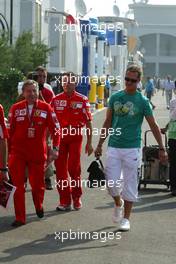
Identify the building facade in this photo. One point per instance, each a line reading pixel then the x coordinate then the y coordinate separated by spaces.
pixel 156 37
pixel 41 17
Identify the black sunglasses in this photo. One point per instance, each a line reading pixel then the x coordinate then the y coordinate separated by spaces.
pixel 130 80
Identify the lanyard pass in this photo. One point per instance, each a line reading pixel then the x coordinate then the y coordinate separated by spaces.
pixel 31 132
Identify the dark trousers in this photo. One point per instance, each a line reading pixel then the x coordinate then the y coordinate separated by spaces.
pixel 172 160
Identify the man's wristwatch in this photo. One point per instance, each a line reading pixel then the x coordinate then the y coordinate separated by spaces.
pixel 56 148
pixel 162 149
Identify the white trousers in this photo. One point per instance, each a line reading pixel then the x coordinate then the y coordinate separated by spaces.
pixel 168 97
pixel 121 171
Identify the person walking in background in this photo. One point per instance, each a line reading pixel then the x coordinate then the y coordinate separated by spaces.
pixel 169 86
pixel 158 84
pixel 28 124
pixel 46 94
pixel 106 90
pixel 73 112
pixel 149 90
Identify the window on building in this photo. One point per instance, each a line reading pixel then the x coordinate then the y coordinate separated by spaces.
pixel 167 45
pixel 149 69
pixel 167 68
pixel 148 43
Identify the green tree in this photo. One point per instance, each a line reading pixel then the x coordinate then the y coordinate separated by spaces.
pixel 15 62
pixel 28 55
pixel 8 87
pixel 5 53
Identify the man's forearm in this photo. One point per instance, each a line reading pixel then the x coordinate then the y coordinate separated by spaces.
pixel 89 132
pixel 157 134
pixel 103 136
pixel 3 152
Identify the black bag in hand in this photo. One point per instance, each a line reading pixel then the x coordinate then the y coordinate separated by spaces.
pixel 96 174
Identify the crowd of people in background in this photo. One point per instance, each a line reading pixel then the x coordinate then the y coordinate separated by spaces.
pixel 152 84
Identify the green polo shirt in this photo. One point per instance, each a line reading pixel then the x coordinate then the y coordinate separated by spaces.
pixel 172 129
pixel 128 112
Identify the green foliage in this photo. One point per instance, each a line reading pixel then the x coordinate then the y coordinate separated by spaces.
pixel 5 53
pixel 28 55
pixel 16 61
pixel 40 54
pixel 8 87
pixel 22 53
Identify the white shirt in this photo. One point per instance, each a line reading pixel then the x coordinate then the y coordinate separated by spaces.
pixel 30 107
pixel 169 85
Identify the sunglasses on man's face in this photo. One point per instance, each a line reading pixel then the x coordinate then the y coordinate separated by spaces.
pixel 130 80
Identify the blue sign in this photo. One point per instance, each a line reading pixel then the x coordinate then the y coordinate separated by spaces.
pixel 110 36
pixel 83 86
pixel 101 35
pixel 93 26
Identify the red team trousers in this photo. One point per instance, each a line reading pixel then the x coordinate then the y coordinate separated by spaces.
pixel 17 166
pixel 69 162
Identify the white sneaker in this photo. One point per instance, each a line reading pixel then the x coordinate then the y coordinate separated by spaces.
pixel 124 225
pixel 118 212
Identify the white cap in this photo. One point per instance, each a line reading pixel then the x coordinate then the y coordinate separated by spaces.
pixel 19 87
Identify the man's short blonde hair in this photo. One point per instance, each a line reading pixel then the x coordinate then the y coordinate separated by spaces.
pixel 135 68
pixel 30 82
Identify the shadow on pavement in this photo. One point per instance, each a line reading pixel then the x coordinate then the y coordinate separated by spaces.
pixel 6 221
pixel 50 245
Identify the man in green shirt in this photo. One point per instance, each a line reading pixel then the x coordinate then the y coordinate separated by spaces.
pixel 123 122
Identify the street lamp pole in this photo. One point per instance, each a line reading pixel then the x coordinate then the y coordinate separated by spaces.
pixel 11 21
pixel 4 23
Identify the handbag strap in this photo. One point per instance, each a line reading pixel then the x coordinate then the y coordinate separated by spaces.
pixel 101 164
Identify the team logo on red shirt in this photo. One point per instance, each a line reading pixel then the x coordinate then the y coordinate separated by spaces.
pixel 60 103
pixel 23 112
pixel 73 105
pixel 17 112
pixel 63 103
pixel 76 105
pixel 37 113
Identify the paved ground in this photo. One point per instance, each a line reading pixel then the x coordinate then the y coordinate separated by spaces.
pixel 151 240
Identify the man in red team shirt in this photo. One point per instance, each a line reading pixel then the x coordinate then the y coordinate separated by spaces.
pixel 73 112
pixel 3 148
pixel 29 121
pixel 45 94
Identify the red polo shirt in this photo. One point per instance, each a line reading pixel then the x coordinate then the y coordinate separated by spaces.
pixel 72 110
